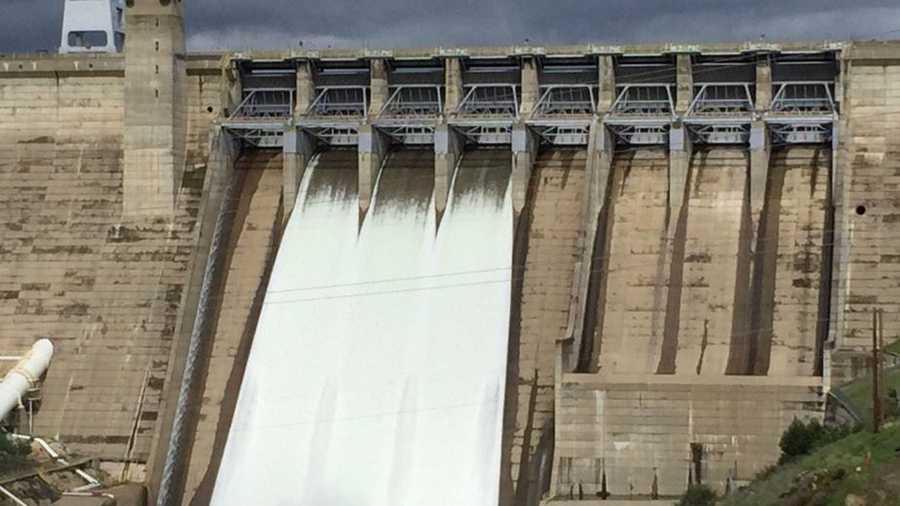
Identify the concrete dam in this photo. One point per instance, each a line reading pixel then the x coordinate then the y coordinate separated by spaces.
pixel 466 276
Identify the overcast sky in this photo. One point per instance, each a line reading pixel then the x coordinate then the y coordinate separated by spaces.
pixel 29 25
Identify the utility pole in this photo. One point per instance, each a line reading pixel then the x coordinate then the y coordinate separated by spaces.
pixel 876 396
pixel 882 377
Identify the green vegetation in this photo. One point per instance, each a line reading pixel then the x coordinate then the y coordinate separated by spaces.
pixel 802 438
pixel 698 495
pixel 863 465
pixel 893 347
pixel 13 453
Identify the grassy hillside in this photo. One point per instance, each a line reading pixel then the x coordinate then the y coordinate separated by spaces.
pixel 863 465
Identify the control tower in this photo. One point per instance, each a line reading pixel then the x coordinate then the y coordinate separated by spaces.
pixel 95 26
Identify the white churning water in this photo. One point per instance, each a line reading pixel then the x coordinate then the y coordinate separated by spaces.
pixel 377 371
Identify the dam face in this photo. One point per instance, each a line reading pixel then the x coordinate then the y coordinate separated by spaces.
pixel 486 275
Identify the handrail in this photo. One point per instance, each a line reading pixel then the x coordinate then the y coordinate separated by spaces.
pixel 337 101
pixel 628 104
pixel 547 105
pixel 505 101
pixel 809 103
pixel 265 103
pixel 398 105
pixel 705 104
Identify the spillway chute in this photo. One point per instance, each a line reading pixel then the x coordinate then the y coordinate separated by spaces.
pixel 377 372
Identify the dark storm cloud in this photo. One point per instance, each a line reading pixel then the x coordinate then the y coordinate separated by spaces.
pixel 34 24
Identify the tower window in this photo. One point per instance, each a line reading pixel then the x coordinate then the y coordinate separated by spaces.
pixel 88 39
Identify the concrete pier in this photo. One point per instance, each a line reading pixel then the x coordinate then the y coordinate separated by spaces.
pixel 154 107
pixel 299 148
pixel 373 146
pixel 448 149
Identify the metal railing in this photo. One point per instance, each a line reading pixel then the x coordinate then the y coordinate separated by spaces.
pixel 565 100
pixel 803 97
pixel 644 100
pixel 341 102
pixel 415 101
pixel 490 100
pixel 722 99
pixel 801 133
pixel 716 133
pixel 265 103
pixel 641 134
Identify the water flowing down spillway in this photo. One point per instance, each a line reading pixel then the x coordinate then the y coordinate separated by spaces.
pixel 377 371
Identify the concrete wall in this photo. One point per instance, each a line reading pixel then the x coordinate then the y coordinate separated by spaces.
pixel 867 265
pixel 106 286
pixel 552 224
pixel 632 265
pixel 107 296
pixel 634 432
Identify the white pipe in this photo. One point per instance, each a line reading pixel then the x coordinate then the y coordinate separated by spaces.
pixel 89 494
pixel 12 496
pixel 24 375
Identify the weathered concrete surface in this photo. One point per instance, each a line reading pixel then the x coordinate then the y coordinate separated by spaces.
pixel 552 225
pixel 106 288
pixel 786 302
pixel 253 243
pixel 633 264
pixel 637 430
pixel 705 262
pixel 867 205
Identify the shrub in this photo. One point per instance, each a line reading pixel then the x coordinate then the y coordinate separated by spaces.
pixel 802 438
pixel 698 495
pixel 797 440
pixel 13 452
